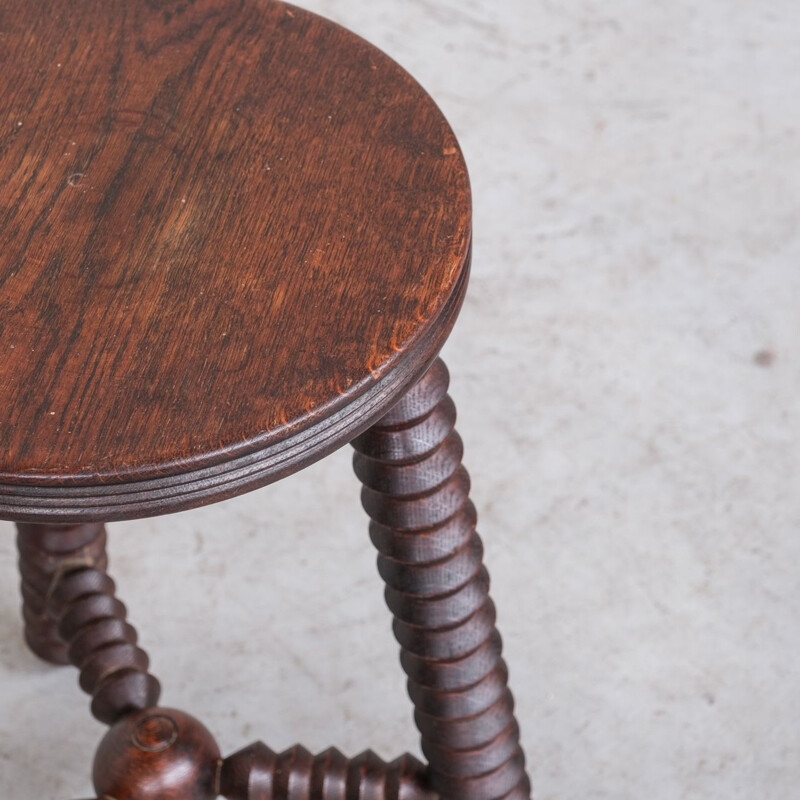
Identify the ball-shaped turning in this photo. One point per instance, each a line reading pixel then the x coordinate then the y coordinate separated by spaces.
pixel 157 754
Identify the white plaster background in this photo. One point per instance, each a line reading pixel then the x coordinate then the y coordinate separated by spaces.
pixel 636 170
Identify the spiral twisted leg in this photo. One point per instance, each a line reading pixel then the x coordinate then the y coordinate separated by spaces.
pixel 258 773
pixel 423 524
pixel 46 552
pixel 72 616
pixel 153 753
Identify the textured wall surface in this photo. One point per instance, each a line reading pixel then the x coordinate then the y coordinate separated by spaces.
pixel 627 369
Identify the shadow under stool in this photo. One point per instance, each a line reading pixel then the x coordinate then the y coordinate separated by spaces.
pixel 233 238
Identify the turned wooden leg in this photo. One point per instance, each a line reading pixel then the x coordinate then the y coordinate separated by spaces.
pixel 257 773
pixel 151 753
pixel 46 553
pixel 423 524
pixel 72 616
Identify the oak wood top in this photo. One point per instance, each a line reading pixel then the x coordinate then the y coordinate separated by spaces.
pixel 231 233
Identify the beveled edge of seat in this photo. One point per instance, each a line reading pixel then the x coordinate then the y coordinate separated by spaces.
pixel 228 473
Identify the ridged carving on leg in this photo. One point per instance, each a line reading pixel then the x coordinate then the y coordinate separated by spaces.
pixel 72 616
pixel 45 552
pixel 423 524
pixel 258 773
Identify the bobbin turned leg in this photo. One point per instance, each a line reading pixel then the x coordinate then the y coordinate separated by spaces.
pixel 154 753
pixel 73 616
pixel 423 524
pixel 46 552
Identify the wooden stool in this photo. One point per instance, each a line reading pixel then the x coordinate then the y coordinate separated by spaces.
pixel 234 237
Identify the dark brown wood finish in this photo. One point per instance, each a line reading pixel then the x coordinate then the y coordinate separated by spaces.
pixel 73 616
pixel 45 554
pixel 258 773
pixel 154 753
pixel 231 234
pixel 423 524
pixel 232 237
pixel 157 754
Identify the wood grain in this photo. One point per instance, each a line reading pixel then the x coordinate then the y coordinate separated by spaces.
pixel 45 553
pixel 157 754
pixel 231 235
pixel 72 616
pixel 416 492
pixel 259 773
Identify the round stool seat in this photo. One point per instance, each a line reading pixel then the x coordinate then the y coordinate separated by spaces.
pixel 231 235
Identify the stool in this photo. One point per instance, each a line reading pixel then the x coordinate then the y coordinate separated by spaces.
pixel 234 237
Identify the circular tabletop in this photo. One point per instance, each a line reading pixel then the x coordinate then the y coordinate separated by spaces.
pixel 231 234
